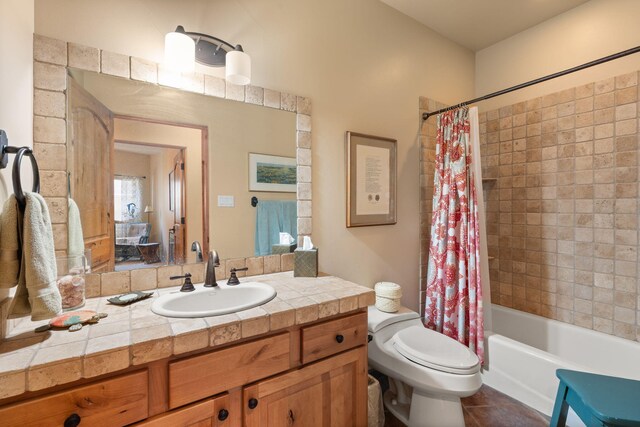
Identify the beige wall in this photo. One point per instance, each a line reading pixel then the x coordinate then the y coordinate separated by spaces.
pixel 264 131
pixel 16 82
pixel 16 89
pixel 362 64
pixel 593 30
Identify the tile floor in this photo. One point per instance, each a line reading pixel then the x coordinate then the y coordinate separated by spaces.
pixel 490 408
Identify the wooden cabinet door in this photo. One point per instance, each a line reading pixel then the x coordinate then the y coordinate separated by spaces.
pixel 330 393
pixel 90 165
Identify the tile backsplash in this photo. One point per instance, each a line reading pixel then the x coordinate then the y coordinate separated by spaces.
pixel 118 282
pixel 560 178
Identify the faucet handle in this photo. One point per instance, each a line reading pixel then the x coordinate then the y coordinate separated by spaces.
pixel 187 286
pixel 233 279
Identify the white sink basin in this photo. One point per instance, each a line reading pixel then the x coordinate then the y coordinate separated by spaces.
pixel 204 302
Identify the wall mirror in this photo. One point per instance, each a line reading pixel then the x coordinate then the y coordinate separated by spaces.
pixel 162 175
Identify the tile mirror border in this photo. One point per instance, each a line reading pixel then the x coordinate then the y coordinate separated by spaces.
pixel 52 57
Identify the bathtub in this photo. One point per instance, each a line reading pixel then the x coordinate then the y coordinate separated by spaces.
pixel 523 352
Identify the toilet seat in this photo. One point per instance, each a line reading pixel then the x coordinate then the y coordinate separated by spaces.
pixel 435 350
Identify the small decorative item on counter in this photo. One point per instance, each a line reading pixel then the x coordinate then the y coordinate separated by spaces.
pixel 388 296
pixel 72 320
pixel 71 283
pixel 129 297
pixel 305 262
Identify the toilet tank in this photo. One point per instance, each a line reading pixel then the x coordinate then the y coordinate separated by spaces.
pixel 379 319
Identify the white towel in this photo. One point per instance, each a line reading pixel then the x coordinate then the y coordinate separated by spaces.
pixel 37 292
pixel 10 252
pixel 76 238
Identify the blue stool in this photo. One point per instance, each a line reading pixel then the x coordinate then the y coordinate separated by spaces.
pixel 598 400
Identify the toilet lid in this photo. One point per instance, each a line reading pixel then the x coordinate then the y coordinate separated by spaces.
pixel 435 350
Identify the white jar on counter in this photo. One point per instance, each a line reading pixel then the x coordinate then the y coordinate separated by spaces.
pixel 388 296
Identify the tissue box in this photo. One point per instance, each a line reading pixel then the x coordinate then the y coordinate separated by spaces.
pixel 305 263
pixel 278 249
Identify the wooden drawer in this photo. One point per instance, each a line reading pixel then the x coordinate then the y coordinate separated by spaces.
pixel 334 336
pixel 205 375
pixel 114 402
pixel 207 413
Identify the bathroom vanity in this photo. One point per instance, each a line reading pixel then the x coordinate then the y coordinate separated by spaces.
pixel 298 360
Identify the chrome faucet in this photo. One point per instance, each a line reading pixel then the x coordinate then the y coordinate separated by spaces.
pixel 210 276
pixel 195 247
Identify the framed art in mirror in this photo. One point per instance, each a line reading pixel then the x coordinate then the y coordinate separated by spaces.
pixel 272 173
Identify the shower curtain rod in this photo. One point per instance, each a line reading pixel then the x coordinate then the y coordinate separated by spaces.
pixel 636 49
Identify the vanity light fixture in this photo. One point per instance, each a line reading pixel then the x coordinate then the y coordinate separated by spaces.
pixel 182 49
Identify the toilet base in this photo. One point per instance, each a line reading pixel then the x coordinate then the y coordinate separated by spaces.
pixel 399 410
pixel 426 410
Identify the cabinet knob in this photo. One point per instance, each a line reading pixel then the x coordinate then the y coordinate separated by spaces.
pixel 339 338
pixel 72 420
pixel 223 414
pixel 253 402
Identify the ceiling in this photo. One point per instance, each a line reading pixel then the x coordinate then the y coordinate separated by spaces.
pixel 476 24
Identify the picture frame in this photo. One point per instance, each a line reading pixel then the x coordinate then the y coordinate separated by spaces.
pixel 272 173
pixel 371 166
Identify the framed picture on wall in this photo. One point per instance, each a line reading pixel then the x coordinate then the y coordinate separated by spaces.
pixel 272 173
pixel 371 180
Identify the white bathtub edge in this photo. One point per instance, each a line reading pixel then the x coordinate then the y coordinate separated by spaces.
pixel 508 384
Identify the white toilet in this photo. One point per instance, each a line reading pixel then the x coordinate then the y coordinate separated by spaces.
pixel 428 372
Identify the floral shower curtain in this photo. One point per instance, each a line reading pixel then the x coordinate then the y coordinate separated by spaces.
pixel 454 289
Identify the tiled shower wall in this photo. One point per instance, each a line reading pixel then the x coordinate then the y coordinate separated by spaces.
pixel 561 189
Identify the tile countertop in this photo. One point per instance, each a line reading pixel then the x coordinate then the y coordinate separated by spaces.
pixel 134 335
